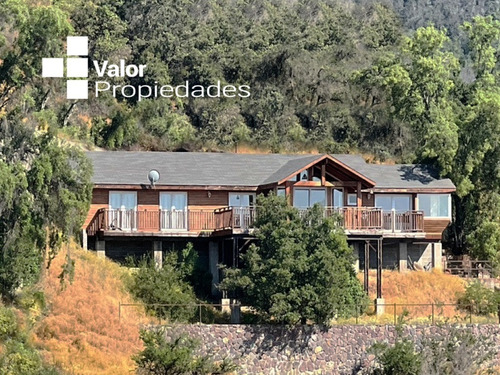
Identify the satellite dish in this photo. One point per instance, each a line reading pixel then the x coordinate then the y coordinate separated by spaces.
pixel 153 176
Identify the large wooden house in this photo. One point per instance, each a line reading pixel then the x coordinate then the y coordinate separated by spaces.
pixel 399 212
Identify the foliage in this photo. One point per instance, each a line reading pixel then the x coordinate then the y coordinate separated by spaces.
pixel 301 268
pixel 177 356
pixel 8 324
pixel 479 299
pixel 452 351
pixel 399 359
pixel 45 196
pixel 166 285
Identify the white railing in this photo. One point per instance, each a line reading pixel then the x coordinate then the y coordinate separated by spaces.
pixel 173 219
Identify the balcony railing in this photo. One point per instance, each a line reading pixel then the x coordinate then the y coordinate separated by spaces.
pixel 242 218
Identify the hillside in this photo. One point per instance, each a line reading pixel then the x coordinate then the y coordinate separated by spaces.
pixel 82 333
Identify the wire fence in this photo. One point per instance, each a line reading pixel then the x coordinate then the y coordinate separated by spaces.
pixel 387 314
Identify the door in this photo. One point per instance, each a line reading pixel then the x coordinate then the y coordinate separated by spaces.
pixel 122 210
pixel 173 211
pixel 242 204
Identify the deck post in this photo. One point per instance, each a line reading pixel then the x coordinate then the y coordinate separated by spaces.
pixel 437 254
pixel 356 246
pixel 367 266
pixel 403 256
pixel 100 248
pixel 158 254
pixel 379 268
pixel 85 245
pixel 213 262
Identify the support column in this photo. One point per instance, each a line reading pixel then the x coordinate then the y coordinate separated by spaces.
pixel 356 246
pixel 380 301
pixel 367 266
pixel 158 254
pixel 84 239
pixel 403 256
pixel 213 264
pixel 100 248
pixel 437 255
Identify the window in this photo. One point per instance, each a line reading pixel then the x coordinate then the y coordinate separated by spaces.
pixel 126 200
pixel 241 199
pixel 280 192
pixel 173 201
pixel 397 202
pixel 304 198
pixel 435 205
pixel 338 198
pixel 122 213
pixel 352 199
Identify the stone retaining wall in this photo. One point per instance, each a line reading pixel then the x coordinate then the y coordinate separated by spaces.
pixel 306 350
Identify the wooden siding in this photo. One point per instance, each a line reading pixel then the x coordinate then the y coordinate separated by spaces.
pixel 434 228
pixel 368 200
pixel 148 198
pixel 100 196
pixel 201 198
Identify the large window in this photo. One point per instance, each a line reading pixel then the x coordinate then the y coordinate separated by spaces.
pixel 435 205
pixel 241 199
pixel 338 198
pixel 122 213
pixel 119 200
pixel 304 198
pixel 173 214
pixel 397 202
pixel 173 201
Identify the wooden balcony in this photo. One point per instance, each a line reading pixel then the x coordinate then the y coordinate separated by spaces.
pixel 196 222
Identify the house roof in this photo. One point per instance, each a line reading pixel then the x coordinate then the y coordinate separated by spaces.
pixel 249 170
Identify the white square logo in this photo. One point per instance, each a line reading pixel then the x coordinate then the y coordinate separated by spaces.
pixel 77 45
pixel 77 67
pixel 52 67
pixel 77 89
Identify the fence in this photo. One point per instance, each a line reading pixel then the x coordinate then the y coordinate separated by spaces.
pixel 394 313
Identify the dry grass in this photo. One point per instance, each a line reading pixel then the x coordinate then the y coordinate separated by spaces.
pixel 418 288
pixel 82 333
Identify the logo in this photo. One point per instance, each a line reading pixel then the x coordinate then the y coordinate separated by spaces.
pixel 76 67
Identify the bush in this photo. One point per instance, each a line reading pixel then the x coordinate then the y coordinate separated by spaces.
pixel 478 299
pixel 163 357
pixel 166 285
pixel 400 359
pixel 20 359
pixel 8 324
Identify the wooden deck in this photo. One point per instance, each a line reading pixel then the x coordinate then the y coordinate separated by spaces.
pixel 240 220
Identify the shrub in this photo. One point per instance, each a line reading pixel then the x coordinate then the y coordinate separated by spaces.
pixel 400 359
pixel 163 357
pixel 8 324
pixel 160 286
pixel 478 299
pixel 21 359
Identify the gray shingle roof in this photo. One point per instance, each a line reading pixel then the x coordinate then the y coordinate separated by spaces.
pixel 251 170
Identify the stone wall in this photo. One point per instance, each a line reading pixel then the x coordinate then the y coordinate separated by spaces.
pixel 306 350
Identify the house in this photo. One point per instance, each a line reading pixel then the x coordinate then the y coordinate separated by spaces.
pixel 396 213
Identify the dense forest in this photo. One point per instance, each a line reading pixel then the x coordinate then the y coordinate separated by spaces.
pixel 404 81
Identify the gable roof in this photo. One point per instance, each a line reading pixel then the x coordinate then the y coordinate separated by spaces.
pixel 246 170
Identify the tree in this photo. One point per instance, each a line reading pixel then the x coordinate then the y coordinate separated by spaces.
pixel 45 197
pixel 301 269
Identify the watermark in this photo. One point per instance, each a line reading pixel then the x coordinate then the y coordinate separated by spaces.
pixel 77 66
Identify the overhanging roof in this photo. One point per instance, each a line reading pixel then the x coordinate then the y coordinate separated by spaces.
pixel 248 170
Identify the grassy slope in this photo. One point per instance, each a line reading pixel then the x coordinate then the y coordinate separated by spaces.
pixel 82 333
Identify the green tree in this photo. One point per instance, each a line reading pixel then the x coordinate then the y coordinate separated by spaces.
pixel 301 269
pixel 45 198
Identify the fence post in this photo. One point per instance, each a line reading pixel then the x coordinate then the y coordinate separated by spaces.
pixel 357 314
pixel 470 315
pixel 200 312
pixel 395 317
pixel 432 313
pixel 498 313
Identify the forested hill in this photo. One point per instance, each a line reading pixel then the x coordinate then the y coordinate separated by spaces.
pixel 329 76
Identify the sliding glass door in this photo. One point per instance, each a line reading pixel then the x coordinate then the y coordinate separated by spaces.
pixel 173 210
